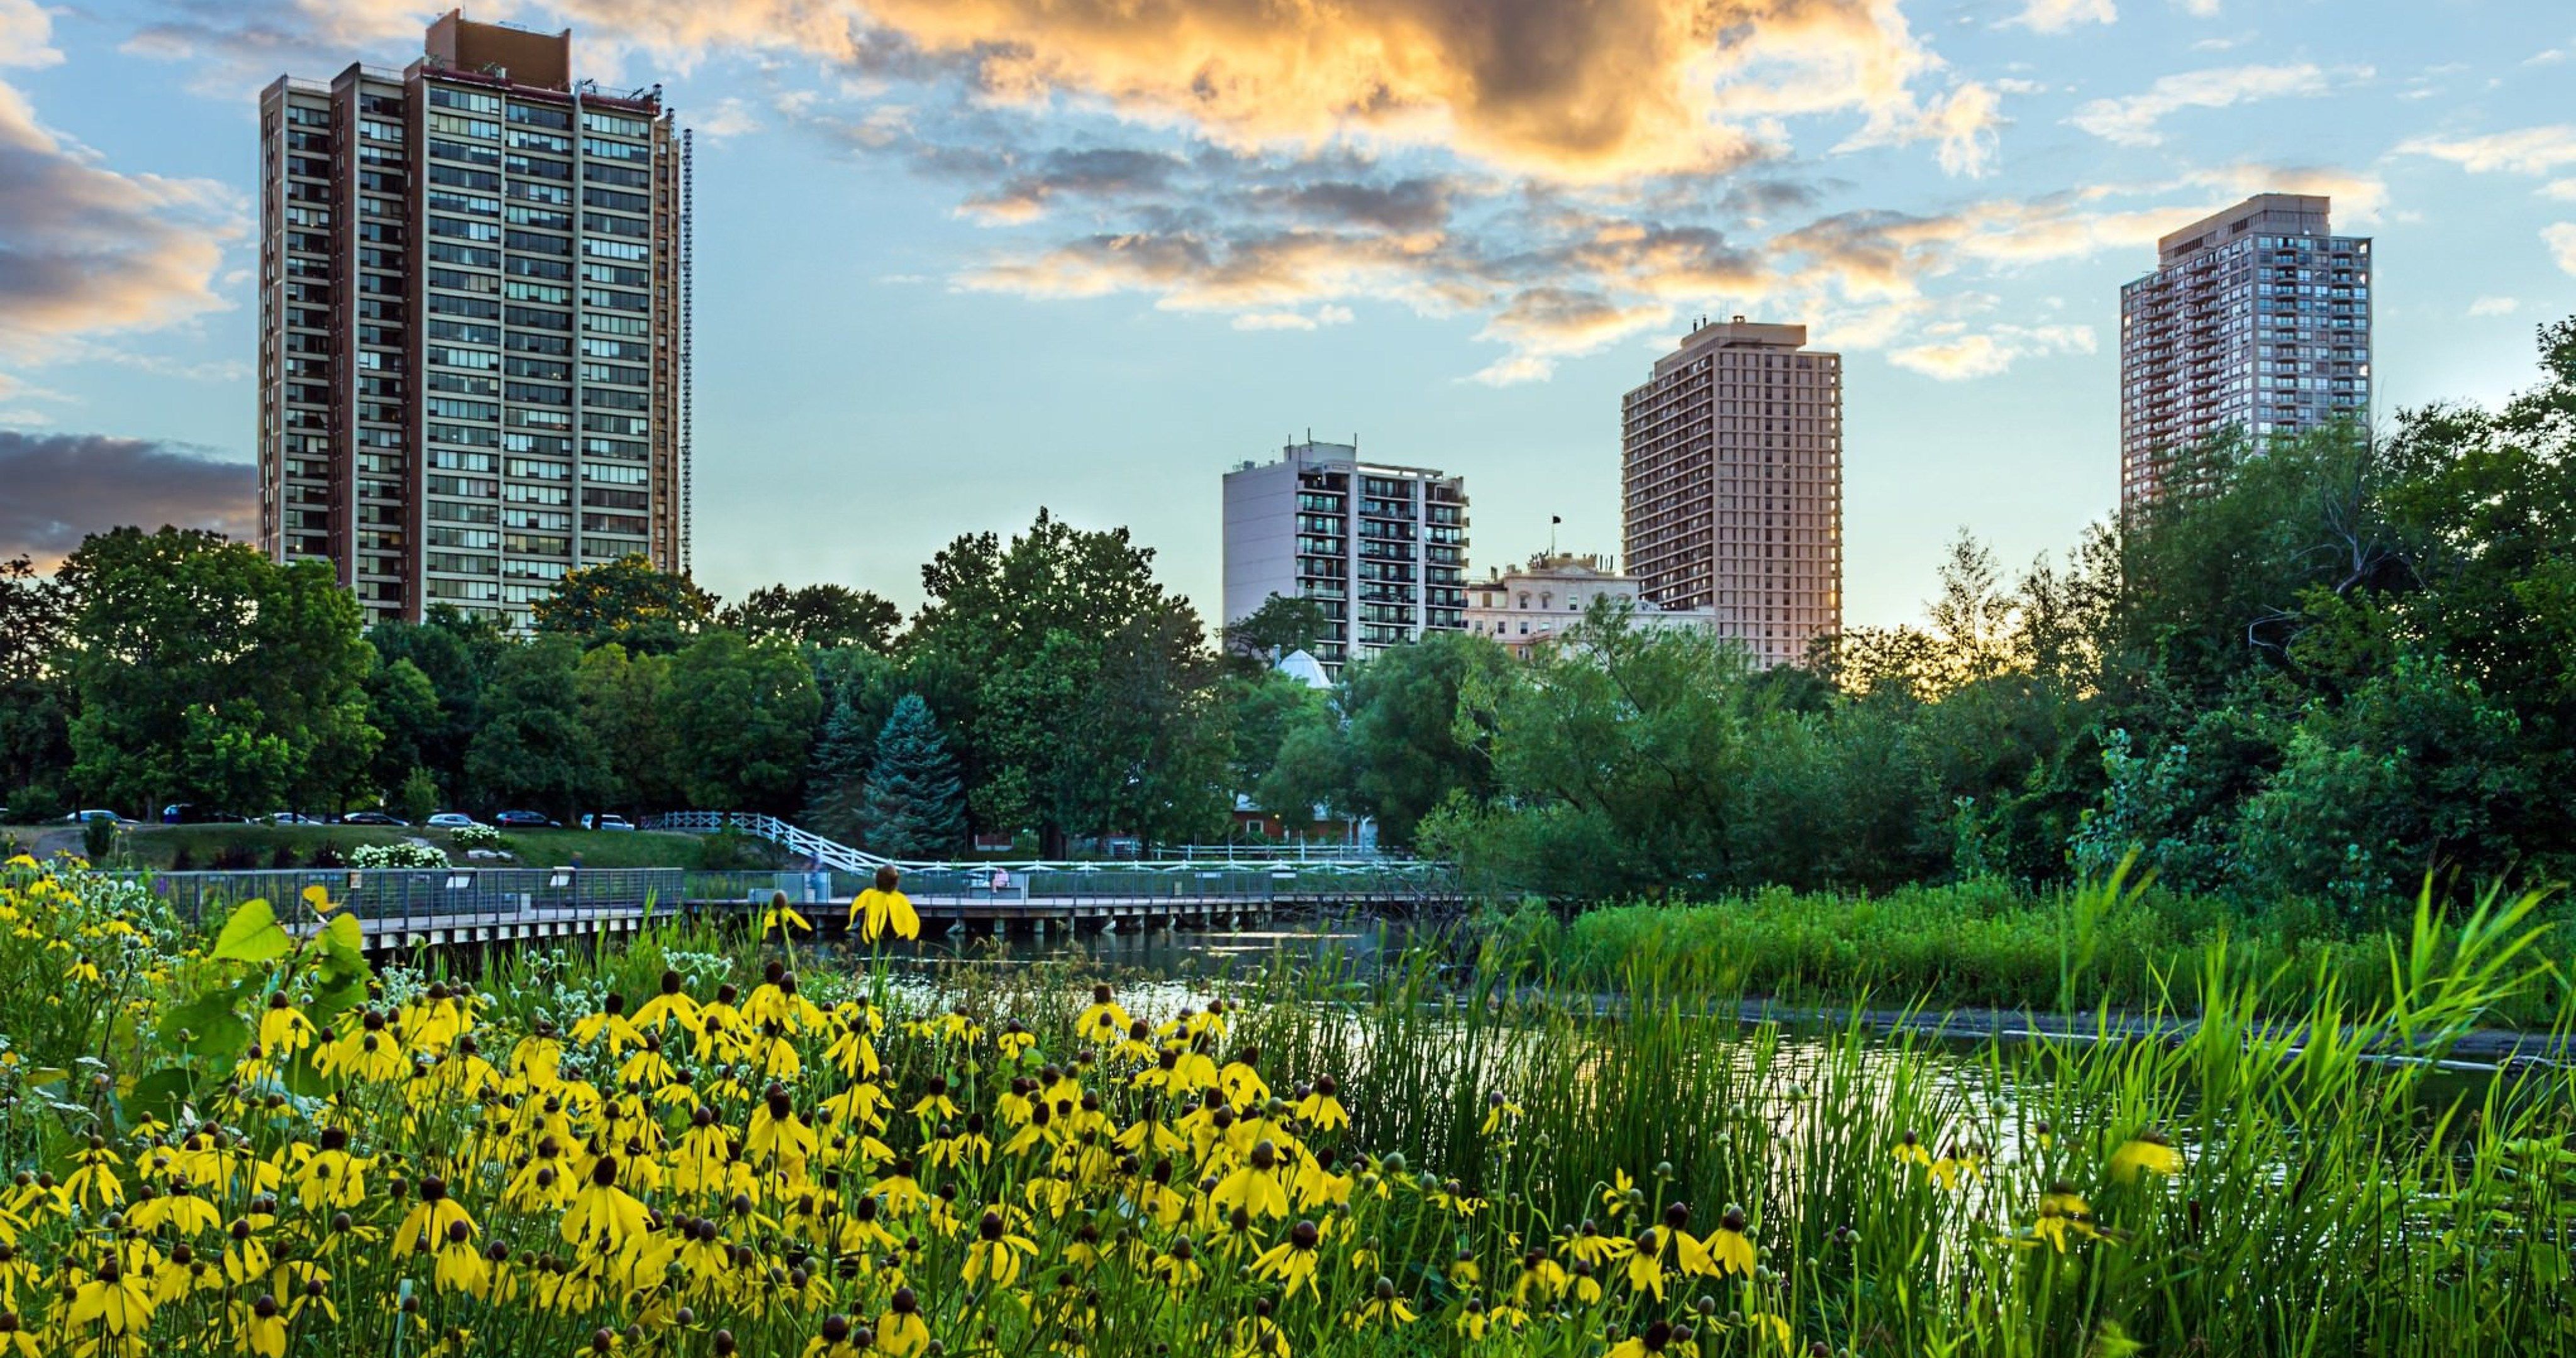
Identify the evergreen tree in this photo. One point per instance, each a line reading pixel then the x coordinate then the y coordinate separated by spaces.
pixel 836 787
pixel 915 806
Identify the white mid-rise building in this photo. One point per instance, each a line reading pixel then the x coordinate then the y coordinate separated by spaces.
pixel 1530 606
pixel 1382 549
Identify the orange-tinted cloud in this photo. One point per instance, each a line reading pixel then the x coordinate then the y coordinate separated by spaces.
pixel 83 248
pixel 1577 90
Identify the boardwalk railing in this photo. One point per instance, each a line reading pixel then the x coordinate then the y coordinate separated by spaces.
pixel 842 858
pixel 396 896
pixel 400 902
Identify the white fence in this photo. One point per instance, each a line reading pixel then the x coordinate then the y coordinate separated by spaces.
pixel 842 858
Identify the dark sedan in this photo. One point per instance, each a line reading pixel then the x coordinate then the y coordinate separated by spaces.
pixel 372 818
pixel 526 820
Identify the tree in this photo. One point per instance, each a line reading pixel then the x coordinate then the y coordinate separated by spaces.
pixel 629 601
pixel 914 806
pixel 1009 649
pixel 1280 626
pixel 627 700
pixel 403 707
pixel 836 781
pixel 458 652
pixel 35 713
pixel 206 673
pixel 741 716
pixel 35 614
pixel 817 615
pixel 536 747
pixel 1409 750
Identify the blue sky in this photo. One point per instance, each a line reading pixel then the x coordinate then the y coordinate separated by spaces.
pixel 962 258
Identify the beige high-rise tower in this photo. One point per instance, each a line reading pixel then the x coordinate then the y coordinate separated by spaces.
pixel 1732 469
pixel 473 324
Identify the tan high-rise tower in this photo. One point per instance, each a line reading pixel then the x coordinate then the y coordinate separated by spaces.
pixel 2256 320
pixel 473 324
pixel 1732 485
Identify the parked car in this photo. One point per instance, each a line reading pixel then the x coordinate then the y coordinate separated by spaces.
pixel 293 818
pixel 190 813
pixel 526 820
pixel 606 822
pixel 373 818
pixel 85 817
pixel 450 820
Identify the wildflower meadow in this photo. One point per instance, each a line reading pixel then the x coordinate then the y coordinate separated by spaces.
pixel 252 1141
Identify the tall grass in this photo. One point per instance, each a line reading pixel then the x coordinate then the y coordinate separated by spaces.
pixel 1985 944
pixel 2330 1200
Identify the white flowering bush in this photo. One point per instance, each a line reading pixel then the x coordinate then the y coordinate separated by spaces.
pixel 476 837
pixel 405 855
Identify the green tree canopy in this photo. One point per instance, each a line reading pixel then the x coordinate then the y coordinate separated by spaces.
pixel 206 673
pixel 817 615
pixel 741 716
pixel 914 806
pixel 628 601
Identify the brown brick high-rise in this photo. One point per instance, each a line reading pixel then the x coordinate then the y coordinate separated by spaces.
pixel 1731 480
pixel 473 324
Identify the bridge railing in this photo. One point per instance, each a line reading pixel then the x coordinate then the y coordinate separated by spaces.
pixel 840 857
pixel 396 895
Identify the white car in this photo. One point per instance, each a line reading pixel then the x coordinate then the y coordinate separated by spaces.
pixel 450 820
pixel 606 823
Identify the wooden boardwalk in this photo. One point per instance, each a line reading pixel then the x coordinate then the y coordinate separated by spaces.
pixel 977 913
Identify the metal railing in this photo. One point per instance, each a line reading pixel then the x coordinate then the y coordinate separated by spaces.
pixel 840 857
pixel 429 897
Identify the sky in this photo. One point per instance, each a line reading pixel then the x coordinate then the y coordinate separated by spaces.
pixel 961 259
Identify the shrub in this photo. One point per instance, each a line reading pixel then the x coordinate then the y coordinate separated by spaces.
pixel 98 839
pixel 285 855
pixel 327 855
pixel 417 799
pixel 403 855
pixel 183 859
pixel 476 837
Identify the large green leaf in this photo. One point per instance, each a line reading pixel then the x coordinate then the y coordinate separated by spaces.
pixel 252 935
pixel 210 1025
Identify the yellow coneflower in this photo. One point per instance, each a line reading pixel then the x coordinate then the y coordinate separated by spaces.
pixel 1293 1260
pixel 996 1252
pixel 2146 1153
pixel 901 1332
pixel 1253 1186
pixel 1659 1337
pixel 1383 1308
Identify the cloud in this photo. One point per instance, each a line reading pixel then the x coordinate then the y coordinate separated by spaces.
pixel 2561 239
pixel 63 487
pixel 1294 320
pixel 1956 354
pixel 26 35
pixel 2495 306
pixel 2201 9
pixel 731 117
pixel 2057 16
pixel 1589 92
pixel 2132 121
pixel 2529 150
pixel 85 249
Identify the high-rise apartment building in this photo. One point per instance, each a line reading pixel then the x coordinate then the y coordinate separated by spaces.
pixel 1382 549
pixel 2256 319
pixel 473 324
pixel 1731 485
